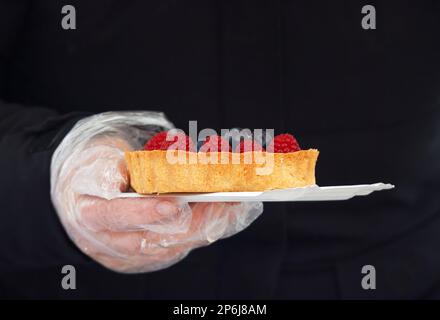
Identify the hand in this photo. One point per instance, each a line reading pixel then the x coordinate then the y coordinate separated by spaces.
pixel 131 234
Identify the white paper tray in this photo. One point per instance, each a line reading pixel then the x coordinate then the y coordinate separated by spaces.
pixel 311 193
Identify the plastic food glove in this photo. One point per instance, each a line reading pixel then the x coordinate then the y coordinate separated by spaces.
pixel 130 235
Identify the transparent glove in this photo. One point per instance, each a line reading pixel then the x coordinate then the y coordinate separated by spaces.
pixel 130 235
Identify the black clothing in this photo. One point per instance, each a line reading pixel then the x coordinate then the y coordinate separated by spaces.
pixel 367 99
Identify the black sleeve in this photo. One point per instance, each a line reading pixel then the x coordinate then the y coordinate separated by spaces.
pixel 30 233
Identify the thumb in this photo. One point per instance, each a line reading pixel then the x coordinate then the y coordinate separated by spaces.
pixel 101 172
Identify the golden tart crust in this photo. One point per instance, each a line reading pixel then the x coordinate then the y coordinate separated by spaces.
pixel 151 172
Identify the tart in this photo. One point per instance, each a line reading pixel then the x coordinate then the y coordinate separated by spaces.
pixel 152 172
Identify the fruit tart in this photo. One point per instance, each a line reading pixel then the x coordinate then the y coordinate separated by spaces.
pixel 169 165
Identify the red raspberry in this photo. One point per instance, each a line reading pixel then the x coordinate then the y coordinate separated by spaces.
pixel 249 145
pixel 284 143
pixel 184 143
pixel 156 141
pixel 215 144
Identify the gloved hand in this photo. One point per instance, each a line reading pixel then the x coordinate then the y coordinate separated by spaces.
pixel 130 235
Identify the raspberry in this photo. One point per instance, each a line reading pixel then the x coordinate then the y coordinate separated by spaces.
pixel 155 142
pixel 284 143
pixel 249 145
pixel 184 143
pixel 215 144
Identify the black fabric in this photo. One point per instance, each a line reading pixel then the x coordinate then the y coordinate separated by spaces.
pixel 369 100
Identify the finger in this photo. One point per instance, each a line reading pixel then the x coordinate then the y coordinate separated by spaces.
pixel 100 171
pixel 133 246
pixel 213 221
pixel 141 263
pixel 127 252
pixel 133 214
pixel 210 221
pixel 241 216
pixel 124 245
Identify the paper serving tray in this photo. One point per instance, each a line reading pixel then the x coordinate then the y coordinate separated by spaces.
pixel 310 193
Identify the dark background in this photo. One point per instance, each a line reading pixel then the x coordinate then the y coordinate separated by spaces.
pixel 367 99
